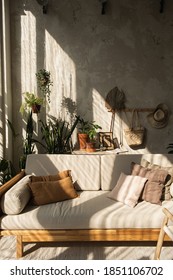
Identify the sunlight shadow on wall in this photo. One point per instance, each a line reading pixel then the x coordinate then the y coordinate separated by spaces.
pixel 28 52
pixel 63 72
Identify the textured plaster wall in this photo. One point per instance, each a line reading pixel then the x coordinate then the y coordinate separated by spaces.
pixel 88 54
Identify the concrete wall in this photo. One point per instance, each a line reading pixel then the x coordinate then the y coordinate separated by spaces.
pixel 88 54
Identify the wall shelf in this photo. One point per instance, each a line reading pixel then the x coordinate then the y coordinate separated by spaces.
pixel 139 109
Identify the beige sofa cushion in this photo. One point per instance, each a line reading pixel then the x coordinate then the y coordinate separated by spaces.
pixel 92 210
pixel 16 198
pixel 52 191
pixel 85 169
pixel 113 164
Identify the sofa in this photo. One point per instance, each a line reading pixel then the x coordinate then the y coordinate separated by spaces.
pixel 91 197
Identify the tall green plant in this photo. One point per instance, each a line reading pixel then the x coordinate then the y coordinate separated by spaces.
pixel 57 134
pixel 28 142
pixel 6 170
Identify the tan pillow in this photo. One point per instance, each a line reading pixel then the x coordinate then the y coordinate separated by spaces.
pixel 56 177
pixel 153 175
pixel 169 169
pixel 156 179
pixel 166 194
pixel 128 189
pixel 52 191
pixel 153 192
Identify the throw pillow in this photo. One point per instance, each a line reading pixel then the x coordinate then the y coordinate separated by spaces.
pixel 52 191
pixel 60 175
pixel 169 169
pixel 166 195
pixel 155 175
pixel 128 189
pixel 156 179
pixel 16 198
pixel 153 192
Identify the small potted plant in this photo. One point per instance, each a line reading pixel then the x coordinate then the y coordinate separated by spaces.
pixel 92 134
pixel 87 134
pixel 31 101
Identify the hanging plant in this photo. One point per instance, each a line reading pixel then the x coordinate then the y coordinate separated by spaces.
pixel 44 82
pixel 31 101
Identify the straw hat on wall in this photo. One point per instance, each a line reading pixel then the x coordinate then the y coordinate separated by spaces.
pixel 159 118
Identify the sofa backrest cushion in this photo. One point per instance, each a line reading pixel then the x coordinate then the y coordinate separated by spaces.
pixel 113 165
pixel 85 169
pixel 16 198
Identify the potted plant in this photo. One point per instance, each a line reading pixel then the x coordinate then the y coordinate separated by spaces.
pixel 44 82
pixel 31 101
pixel 87 134
pixel 56 134
pixel 92 134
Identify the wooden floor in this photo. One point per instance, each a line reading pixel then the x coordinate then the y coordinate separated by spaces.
pixel 84 250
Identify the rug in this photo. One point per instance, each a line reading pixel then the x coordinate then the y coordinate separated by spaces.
pixel 84 250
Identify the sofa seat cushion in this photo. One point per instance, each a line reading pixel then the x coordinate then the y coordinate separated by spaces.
pixel 93 210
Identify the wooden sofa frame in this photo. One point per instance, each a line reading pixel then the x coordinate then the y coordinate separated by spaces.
pixel 29 236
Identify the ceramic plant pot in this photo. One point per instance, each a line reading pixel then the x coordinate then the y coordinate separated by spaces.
pixel 36 108
pixel 90 147
pixel 82 138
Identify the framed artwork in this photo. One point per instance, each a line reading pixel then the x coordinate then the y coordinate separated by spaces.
pixel 106 140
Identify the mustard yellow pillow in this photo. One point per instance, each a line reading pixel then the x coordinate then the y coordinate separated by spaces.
pixel 52 191
pixel 60 175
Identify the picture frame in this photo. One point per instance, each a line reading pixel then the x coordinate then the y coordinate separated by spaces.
pixel 106 140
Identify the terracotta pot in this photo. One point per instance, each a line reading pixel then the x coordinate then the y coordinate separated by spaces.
pixel 82 138
pixel 90 147
pixel 36 108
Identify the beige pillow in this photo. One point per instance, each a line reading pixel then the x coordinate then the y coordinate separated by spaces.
pixel 128 189
pixel 60 175
pixel 52 191
pixel 16 198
